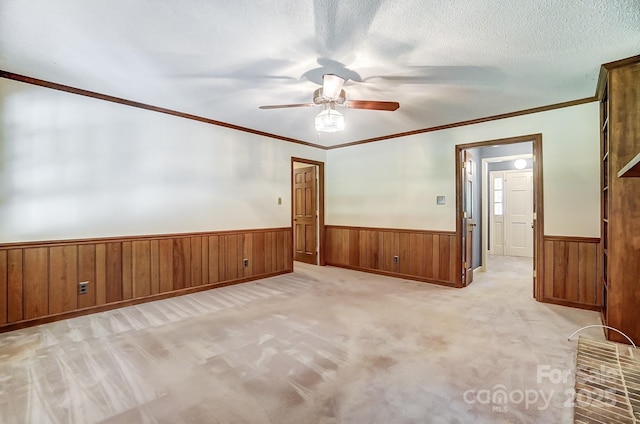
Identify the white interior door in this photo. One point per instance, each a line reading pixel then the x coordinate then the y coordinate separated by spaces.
pixel 518 213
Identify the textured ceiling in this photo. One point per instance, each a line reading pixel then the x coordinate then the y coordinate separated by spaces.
pixel 444 61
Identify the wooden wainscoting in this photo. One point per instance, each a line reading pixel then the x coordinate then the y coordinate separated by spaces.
pixel 571 269
pixel 39 281
pixel 422 255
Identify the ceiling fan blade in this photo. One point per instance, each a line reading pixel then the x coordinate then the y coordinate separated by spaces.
pixel 372 104
pixel 483 75
pixel 290 105
pixel 331 86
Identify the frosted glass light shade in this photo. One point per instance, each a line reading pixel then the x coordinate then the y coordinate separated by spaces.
pixel 329 120
pixel 520 164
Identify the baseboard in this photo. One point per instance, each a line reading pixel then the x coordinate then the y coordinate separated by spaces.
pixel 396 275
pixel 578 305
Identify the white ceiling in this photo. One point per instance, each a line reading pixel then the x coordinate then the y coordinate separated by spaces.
pixel 221 59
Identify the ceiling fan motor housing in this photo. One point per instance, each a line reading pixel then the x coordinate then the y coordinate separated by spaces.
pixel 319 98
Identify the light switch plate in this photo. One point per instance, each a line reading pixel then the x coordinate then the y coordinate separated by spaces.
pixel 440 200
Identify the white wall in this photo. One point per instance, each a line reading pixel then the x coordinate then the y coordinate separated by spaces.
pixel 394 183
pixel 76 167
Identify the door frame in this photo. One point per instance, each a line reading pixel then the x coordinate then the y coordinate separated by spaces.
pixel 320 219
pixel 538 206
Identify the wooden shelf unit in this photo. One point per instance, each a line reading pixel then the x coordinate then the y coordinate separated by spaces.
pixel 620 197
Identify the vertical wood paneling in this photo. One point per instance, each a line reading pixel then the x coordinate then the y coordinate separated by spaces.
pixel 127 270
pixel 571 268
pixel 204 254
pixel 436 256
pixel 63 277
pixel 42 281
pixel 339 250
pixel 113 272
pixel 375 257
pixel 258 253
pixel 363 249
pixel 222 258
pixel 453 272
pixel 343 249
pixel 288 251
pixel 214 275
pixel 548 268
pixel 443 268
pixel 328 251
pixel 141 268
pixel 101 274
pixel 588 273
pixel 165 264
pixel 247 250
pixel 387 251
pixel 416 254
pixel 572 280
pixel 423 255
pixel 282 260
pixel 354 248
pixel 196 261
pixel 36 283
pixel 269 253
pixel 427 268
pixel 3 286
pixel 181 263
pixel 404 253
pixel 559 270
pixel 15 310
pixel 231 256
pixel 155 266
pixel 336 243
pixel 87 272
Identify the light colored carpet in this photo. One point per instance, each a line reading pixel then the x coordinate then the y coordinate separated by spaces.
pixel 321 345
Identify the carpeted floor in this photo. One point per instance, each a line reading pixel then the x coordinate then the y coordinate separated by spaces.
pixel 320 345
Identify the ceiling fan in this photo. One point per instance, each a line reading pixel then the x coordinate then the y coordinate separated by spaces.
pixel 331 95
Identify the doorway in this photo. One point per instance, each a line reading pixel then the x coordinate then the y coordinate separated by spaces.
pixel 510 213
pixel 307 210
pixel 536 221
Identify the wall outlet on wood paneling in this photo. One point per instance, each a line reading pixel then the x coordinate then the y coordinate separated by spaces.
pixel 396 259
pixel 245 263
pixel 83 287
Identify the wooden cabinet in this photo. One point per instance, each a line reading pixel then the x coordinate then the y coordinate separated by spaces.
pixel 620 231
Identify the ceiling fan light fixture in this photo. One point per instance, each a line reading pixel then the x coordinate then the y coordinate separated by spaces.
pixel 329 120
pixel 332 86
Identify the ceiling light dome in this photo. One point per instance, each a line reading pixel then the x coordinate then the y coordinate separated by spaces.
pixel 520 164
pixel 329 120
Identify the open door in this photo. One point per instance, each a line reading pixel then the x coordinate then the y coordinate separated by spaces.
pixel 468 225
pixel 305 215
pixel 465 228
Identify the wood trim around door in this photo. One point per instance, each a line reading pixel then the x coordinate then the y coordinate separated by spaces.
pixel 321 227
pixel 538 206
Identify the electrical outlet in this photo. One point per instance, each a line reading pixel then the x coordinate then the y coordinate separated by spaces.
pixel 245 262
pixel 396 259
pixel 83 287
